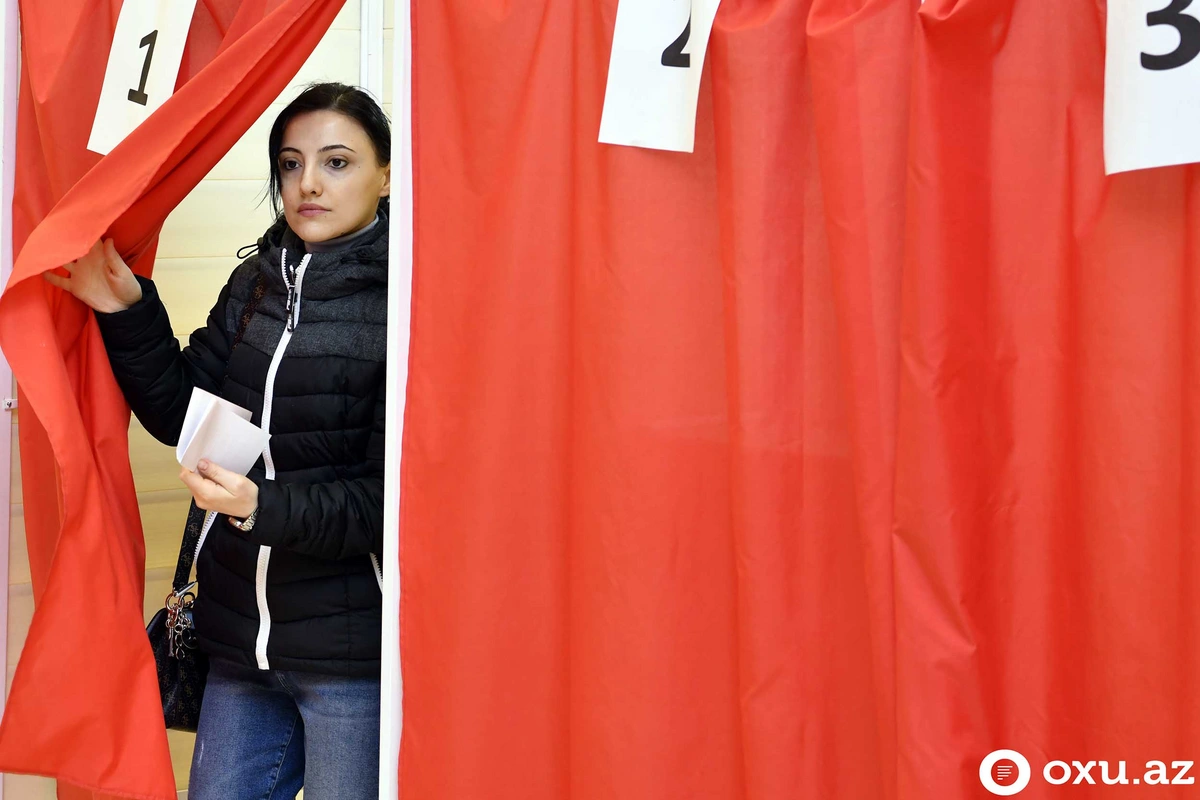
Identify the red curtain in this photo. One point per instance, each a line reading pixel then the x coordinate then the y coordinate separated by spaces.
pixel 1046 497
pixel 818 463
pixel 84 706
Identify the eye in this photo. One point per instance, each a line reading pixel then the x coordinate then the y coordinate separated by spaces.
pixel 337 162
pixel 289 164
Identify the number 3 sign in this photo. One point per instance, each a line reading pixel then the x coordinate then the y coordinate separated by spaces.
pixel 1152 84
pixel 654 73
pixel 143 66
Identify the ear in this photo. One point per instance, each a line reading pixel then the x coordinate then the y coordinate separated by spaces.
pixel 386 188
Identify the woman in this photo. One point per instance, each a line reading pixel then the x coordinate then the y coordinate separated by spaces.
pixel 289 600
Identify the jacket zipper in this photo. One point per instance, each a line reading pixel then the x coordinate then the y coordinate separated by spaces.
pixel 208 523
pixel 264 552
pixel 378 571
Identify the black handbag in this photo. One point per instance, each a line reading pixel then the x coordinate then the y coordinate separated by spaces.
pixel 182 667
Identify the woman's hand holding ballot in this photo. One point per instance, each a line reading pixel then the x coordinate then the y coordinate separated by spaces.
pixel 217 489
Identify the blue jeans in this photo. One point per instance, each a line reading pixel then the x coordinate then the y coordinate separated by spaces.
pixel 265 733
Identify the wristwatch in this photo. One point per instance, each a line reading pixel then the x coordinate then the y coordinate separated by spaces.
pixel 246 524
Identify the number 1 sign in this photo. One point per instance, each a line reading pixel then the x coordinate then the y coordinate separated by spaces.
pixel 654 73
pixel 1152 84
pixel 143 66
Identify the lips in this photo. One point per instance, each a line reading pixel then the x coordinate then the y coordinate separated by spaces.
pixel 311 210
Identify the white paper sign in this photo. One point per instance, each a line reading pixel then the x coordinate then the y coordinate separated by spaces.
pixel 1152 84
pixel 654 73
pixel 143 66
pixel 221 432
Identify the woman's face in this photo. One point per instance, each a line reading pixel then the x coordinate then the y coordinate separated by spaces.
pixel 330 177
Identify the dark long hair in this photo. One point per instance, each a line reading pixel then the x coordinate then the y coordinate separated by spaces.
pixel 349 100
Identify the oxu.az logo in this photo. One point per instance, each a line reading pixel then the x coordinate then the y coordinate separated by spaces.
pixel 1004 772
pixel 1007 772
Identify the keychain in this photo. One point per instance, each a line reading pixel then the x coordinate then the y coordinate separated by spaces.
pixel 182 633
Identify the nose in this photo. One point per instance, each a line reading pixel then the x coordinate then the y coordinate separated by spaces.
pixel 310 180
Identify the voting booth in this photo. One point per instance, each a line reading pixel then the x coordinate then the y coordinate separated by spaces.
pixel 785 400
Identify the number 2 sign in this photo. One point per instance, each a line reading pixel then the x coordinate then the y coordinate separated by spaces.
pixel 1152 84
pixel 143 66
pixel 654 73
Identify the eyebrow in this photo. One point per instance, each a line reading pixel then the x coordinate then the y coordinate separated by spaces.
pixel 322 150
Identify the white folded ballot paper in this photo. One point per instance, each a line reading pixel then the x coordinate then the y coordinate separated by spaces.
pixel 221 432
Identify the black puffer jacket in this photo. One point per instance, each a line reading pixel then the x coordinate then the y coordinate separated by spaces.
pixel 299 591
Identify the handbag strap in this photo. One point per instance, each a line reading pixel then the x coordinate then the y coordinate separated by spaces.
pixel 193 530
pixel 192 533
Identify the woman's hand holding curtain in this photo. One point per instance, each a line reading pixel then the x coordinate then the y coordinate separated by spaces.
pixel 101 279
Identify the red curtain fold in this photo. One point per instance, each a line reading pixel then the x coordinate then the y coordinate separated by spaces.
pixel 84 705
